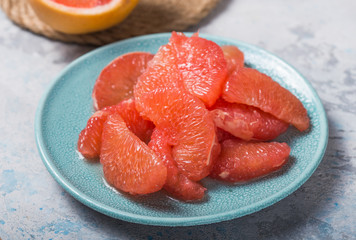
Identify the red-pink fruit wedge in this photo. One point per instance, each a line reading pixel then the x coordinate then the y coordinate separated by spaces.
pixel 116 81
pixel 242 161
pixel 177 184
pixel 246 122
pixel 251 87
pixel 89 142
pixel 128 163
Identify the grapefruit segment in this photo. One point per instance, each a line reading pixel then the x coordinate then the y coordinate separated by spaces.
pixel 246 122
pixel 241 161
pixel 234 58
pixel 116 81
pixel 177 184
pixel 200 61
pixel 89 142
pixel 162 97
pixel 186 120
pixel 140 127
pixel 222 135
pixel 203 66
pixel 128 163
pixel 156 78
pixel 251 87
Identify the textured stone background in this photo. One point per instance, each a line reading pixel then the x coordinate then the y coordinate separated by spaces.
pixel 317 37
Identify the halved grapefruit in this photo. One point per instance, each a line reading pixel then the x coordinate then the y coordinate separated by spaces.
pixel 83 16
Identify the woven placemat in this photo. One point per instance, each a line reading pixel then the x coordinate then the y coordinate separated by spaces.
pixel 150 16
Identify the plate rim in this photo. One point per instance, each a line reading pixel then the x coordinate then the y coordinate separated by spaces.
pixel 179 221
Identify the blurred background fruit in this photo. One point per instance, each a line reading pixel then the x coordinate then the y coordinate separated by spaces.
pixel 78 17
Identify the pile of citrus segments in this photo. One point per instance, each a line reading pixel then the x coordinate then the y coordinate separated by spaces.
pixel 192 110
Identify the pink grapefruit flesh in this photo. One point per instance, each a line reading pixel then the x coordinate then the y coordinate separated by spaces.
pixel 242 161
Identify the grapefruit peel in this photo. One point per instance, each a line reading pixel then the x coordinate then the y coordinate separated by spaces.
pixel 76 20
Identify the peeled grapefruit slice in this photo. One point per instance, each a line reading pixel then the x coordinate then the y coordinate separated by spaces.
pixel 241 161
pixel 140 127
pixel 201 63
pixel 251 87
pixel 177 184
pixel 186 120
pixel 89 142
pixel 161 98
pixel 222 135
pixel 234 58
pixel 83 16
pixel 116 81
pixel 128 163
pixel 246 122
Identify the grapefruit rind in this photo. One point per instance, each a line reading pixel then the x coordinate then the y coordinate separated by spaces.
pixel 72 20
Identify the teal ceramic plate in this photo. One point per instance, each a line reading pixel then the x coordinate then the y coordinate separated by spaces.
pixel 67 105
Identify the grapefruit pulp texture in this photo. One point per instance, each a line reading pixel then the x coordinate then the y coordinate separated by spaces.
pixel 89 142
pixel 200 61
pixel 162 96
pixel 186 120
pixel 242 161
pixel 234 58
pixel 82 3
pixel 190 111
pixel 246 122
pixel 256 89
pixel 128 163
pixel 177 184
pixel 116 81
